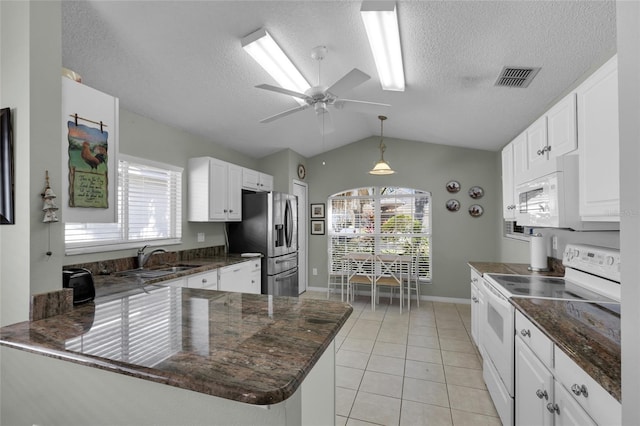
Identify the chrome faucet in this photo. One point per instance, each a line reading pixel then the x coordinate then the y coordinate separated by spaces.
pixel 142 257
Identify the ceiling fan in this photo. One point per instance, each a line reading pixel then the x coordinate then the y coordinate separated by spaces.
pixel 320 98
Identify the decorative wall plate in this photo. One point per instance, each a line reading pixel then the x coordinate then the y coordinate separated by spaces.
pixel 453 186
pixel 453 205
pixel 476 210
pixel 476 192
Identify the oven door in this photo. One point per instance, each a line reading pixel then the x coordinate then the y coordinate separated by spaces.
pixel 498 334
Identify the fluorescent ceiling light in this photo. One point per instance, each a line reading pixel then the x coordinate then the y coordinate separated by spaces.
pixel 261 46
pixel 381 22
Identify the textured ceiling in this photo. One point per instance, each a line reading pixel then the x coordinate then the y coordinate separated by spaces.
pixel 181 63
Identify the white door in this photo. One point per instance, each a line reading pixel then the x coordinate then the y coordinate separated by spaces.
pixel 300 190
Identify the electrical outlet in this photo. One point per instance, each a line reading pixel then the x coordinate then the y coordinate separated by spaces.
pixel 201 237
pixel 314 271
pixel 554 242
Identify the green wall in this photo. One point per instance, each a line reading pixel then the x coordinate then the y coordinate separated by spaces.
pixel 456 237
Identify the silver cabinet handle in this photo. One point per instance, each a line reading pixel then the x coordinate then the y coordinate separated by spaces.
pixel 579 390
pixel 525 333
pixel 553 408
pixel 542 394
pixel 475 280
pixel 475 299
pixel 540 152
pixel 204 281
pixel 225 211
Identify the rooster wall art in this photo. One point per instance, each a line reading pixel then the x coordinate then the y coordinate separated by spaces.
pixel 88 166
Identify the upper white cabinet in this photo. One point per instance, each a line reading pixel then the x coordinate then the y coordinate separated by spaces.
pixel 214 190
pixel 537 143
pixel 253 180
pixel 562 135
pixel 599 143
pixel 514 166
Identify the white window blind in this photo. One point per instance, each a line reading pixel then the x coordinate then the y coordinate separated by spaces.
pixel 381 220
pixel 149 209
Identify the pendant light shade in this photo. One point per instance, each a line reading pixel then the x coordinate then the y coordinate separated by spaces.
pixel 381 167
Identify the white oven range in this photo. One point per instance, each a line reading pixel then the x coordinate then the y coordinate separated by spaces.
pixel 592 274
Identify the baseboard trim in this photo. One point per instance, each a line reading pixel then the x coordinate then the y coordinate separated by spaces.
pixel 422 297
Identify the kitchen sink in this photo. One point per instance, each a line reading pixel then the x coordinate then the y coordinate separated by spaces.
pixel 156 272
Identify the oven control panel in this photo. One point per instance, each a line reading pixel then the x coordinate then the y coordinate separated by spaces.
pixel 601 261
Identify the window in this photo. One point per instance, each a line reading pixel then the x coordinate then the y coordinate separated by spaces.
pixel 149 210
pixel 381 220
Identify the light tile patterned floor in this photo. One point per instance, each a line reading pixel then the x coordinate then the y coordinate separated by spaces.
pixel 415 368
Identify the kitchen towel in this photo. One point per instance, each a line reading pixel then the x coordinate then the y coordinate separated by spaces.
pixel 538 251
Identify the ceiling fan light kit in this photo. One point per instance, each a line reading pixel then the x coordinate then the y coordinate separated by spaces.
pixel 266 52
pixel 381 167
pixel 381 23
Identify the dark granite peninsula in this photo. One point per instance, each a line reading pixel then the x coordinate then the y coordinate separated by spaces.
pixel 175 356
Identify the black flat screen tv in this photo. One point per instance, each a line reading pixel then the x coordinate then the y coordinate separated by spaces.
pixel 6 169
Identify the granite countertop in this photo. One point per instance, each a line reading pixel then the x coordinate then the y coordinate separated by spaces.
pixel 251 348
pixel 113 284
pixel 513 268
pixel 588 333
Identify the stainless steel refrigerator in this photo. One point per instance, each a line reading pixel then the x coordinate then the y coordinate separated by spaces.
pixel 270 226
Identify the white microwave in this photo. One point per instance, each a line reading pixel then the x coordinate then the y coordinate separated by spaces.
pixel 551 201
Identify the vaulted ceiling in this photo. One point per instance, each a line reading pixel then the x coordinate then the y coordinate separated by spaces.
pixel 181 63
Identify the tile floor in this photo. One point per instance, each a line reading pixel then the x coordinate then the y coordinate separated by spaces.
pixel 417 368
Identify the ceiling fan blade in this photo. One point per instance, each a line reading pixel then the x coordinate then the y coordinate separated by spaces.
pixel 284 113
pixel 350 80
pixel 360 105
pixel 325 122
pixel 283 91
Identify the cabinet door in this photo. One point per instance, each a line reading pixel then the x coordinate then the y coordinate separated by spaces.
pixel 562 127
pixel 173 283
pixel 250 179
pixel 599 145
pixel 234 192
pixel 568 411
pixel 218 184
pixel 520 162
pixel 508 185
pixel 475 305
pixel 534 388
pixel 265 183
pixel 537 143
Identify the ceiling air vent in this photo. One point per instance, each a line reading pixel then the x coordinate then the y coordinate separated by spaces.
pixel 516 76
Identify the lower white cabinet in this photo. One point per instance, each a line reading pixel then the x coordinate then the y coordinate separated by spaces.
pixel 180 282
pixel 207 280
pixel 551 389
pixel 475 307
pixel 244 277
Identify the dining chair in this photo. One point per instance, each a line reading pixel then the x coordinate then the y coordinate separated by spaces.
pixel 411 279
pixel 389 274
pixel 338 277
pixel 361 272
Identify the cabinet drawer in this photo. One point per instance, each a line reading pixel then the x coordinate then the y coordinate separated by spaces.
pixel 208 280
pixel 597 402
pixel 533 337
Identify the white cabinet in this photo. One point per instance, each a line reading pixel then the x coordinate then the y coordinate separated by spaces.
pixel 475 307
pixel 514 167
pixel 179 282
pixel 214 190
pixel 537 143
pixel 562 132
pixel 244 277
pixel 551 389
pixel 206 280
pixel 599 151
pixel 534 388
pixel 253 180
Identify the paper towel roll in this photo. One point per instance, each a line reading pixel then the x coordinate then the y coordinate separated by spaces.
pixel 538 249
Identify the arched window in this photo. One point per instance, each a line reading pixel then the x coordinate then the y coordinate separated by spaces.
pixel 381 220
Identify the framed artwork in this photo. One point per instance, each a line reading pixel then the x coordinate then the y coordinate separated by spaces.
pixel 453 186
pixel 476 192
pixel 317 227
pixel 317 211
pixel 453 205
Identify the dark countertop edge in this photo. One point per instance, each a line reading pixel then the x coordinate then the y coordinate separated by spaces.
pixel 614 389
pixel 268 397
pixel 509 268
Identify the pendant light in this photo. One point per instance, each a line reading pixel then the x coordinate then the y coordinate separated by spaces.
pixel 381 167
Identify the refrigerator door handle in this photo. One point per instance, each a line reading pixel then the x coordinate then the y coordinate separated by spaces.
pixel 288 218
pixel 295 272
